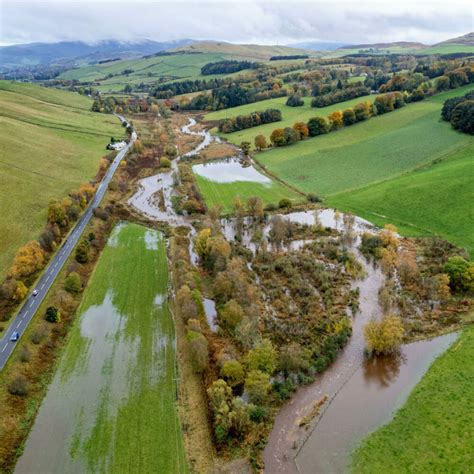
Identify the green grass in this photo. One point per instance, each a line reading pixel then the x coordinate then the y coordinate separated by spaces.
pixel 368 152
pixel 290 115
pixel 51 143
pixel 434 200
pixel 113 395
pixel 146 70
pixel 224 194
pixel 434 430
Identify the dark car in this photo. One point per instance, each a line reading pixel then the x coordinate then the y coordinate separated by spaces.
pixel 15 336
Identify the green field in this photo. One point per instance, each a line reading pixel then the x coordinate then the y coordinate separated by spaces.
pixel 434 430
pixel 51 143
pixel 290 115
pixel 224 194
pixel 111 405
pixel 436 199
pixel 146 70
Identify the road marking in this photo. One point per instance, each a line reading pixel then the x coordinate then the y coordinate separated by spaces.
pixel 31 304
pixel 18 325
pixel 5 346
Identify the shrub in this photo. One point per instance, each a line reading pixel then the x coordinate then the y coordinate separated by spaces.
pixel 284 203
pixel 461 274
pixel 52 315
pixel 263 357
pixel 270 207
pixel 384 336
pixel 233 372
pixel 313 198
pixel 25 354
pixel 199 351
pixel 231 314
pixel 165 162
pixel 294 100
pixel 38 335
pixel 73 283
pixel 257 386
pixel 19 386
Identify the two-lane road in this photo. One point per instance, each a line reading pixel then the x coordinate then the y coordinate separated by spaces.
pixel 32 303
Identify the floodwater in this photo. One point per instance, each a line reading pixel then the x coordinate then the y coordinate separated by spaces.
pixel 230 170
pixel 211 314
pixel 115 379
pixel 368 400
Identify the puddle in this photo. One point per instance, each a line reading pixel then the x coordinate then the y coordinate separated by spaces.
pixel 151 238
pixel 230 170
pixel 211 314
pixel 368 400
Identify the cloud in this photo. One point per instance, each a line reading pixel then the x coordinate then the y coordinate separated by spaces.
pixel 350 21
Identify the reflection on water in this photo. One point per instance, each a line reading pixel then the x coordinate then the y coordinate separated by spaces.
pixel 369 399
pixel 230 170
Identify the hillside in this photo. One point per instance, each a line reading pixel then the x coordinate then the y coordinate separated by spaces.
pixel 51 143
pixel 396 44
pixel 254 51
pixel 467 40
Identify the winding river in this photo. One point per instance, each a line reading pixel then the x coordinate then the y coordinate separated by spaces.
pixel 360 394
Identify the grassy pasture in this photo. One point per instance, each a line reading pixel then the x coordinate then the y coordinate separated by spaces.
pixel 224 194
pixel 433 200
pixel 371 151
pixel 51 143
pixel 434 430
pixel 290 115
pixel 112 400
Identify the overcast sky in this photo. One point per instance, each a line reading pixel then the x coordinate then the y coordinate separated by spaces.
pixel 270 22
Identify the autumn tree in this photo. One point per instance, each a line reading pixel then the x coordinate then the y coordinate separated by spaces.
pixel 233 372
pixel 73 283
pixel 198 348
pixel 57 214
pixel 293 358
pixel 255 207
pixel 348 117
pixel 263 357
pixel 257 386
pixel 83 251
pixel 28 260
pixel 20 291
pixel 302 129
pixel 231 314
pixel 384 336
pixel 260 142
pixel 245 147
pixel 336 120
pixel 278 137
pixel 186 304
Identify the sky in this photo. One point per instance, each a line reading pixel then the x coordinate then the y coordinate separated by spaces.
pixel 245 21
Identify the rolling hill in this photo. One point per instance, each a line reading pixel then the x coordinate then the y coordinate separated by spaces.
pixel 51 143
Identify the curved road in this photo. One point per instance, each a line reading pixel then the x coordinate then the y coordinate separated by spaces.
pixel 32 303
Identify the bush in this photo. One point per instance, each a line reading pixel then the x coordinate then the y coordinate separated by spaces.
pixel 25 354
pixel 294 101
pixel 233 372
pixel 461 274
pixel 257 386
pixel 165 162
pixel 384 336
pixel 284 203
pixel 313 198
pixel 73 283
pixel 52 315
pixel 270 207
pixel 38 335
pixel 19 386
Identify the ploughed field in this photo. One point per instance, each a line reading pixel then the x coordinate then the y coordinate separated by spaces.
pixel 111 405
pixel 290 115
pixel 221 182
pixel 434 431
pixel 51 143
pixel 378 170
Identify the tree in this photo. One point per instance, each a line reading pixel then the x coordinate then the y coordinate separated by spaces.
pixel 384 336
pixel 441 287
pixel 201 243
pixel 260 142
pixel 462 118
pixel 290 136
pixel 19 386
pixel 348 117
pixel 83 251
pixel 73 283
pixel 277 137
pixel 317 126
pixel 257 386
pixel 245 147
pixel 293 358
pixel 57 214
pixel 336 120
pixel 461 274
pixel 263 357
pixel 20 291
pixel 186 304
pixel 284 203
pixel 302 129
pixel 362 111
pixel 231 314
pixel 52 315
pixel 199 351
pixel 233 372
pixel 28 259
pixel 255 207
pixel 165 162
pixel 294 100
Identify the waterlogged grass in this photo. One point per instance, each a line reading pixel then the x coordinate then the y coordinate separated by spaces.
pixel 111 406
pixel 368 152
pixel 435 200
pixel 224 194
pixel 434 430
pixel 290 115
pixel 50 143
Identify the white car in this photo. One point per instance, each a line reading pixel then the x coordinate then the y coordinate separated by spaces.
pixel 35 292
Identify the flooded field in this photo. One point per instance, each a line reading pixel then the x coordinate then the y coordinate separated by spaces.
pixel 111 405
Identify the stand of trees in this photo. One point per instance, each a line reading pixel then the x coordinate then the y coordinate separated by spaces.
pixel 289 56
pixel 459 111
pixel 339 95
pixel 227 67
pixel 251 120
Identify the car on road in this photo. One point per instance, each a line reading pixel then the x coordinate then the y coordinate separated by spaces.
pixel 15 336
pixel 35 292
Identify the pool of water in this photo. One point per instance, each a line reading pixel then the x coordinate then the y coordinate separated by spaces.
pixel 211 314
pixel 230 170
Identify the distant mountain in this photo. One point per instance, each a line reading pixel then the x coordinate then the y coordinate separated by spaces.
pixel 78 52
pixel 254 51
pixel 395 44
pixel 467 39
pixel 320 45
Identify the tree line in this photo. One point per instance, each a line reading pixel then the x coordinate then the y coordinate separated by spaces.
pixel 254 119
pixel 459 111
pixel 227 67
